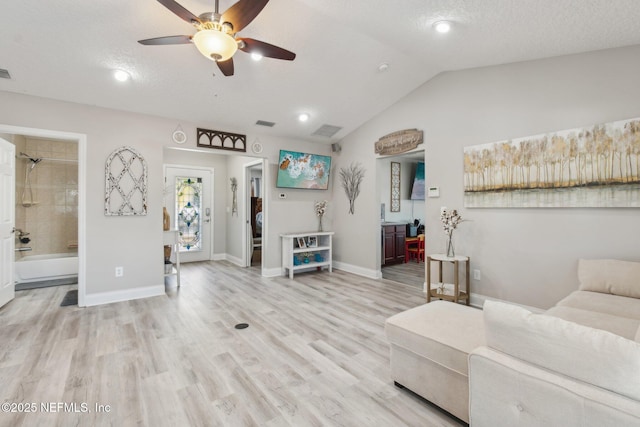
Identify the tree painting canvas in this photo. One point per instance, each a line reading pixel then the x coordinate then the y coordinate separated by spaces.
pixel 596 166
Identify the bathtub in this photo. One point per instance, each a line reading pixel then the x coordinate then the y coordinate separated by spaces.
pixel 37 268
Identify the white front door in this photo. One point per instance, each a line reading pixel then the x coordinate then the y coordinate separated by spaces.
pixel 7 220
pixel 191 187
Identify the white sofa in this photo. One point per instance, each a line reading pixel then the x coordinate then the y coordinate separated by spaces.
pixel 578 364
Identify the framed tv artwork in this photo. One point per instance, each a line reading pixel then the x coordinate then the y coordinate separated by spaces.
pixel 303 170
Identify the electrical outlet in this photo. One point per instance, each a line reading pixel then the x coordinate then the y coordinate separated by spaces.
pixel 282 195
pixel 119 271
pixel 477 275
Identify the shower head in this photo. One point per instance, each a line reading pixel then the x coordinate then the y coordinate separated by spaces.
pixel 35 160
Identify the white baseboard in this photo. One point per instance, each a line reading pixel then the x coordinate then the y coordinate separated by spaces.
pixel 234 260
pixel 123 295
pixel 354 269
pixel 219 257
pixel 272 272
pixel 478 300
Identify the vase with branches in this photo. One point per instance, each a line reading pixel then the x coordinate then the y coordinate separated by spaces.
pixel 320 208
pixel 450 220
pixel 351 179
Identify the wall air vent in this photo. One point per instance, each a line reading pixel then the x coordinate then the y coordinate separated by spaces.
pixel 4 74
pixel 327 131
pixel 265 123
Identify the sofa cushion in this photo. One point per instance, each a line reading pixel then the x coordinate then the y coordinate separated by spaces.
pixel 622 326
pixel 610 276
pixel 590 355
pixel 603 303
pixel 440 331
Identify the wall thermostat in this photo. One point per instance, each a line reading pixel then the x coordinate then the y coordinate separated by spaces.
pixel 433 192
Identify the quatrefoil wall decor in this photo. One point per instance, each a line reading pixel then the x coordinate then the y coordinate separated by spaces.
pixel 125 183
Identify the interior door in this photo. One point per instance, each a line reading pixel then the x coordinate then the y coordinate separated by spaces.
pixel 7 220
pixel 188 198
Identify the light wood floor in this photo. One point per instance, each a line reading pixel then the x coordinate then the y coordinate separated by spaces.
pixel 411 273
pixel 315 354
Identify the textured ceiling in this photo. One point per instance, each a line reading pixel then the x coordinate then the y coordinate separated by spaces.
pixel 67 49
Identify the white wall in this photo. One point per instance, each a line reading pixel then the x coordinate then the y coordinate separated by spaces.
pixel 135 243
pixel 527 256
pixel 219 164
pixel 294 213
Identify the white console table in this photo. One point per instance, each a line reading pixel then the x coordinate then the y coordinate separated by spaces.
pixel 316 249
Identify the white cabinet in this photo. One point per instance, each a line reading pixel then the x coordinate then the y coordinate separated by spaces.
pixel 303 251
pixel 171 238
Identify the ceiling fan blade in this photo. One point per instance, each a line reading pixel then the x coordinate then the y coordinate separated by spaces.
pixel 226 67
pixel 266 49
pixel 180 11
pixel 243 12
pixel 158 41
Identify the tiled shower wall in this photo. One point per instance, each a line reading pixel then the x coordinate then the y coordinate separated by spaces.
pixel 52 219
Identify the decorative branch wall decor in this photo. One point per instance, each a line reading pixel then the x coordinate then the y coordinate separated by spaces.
pixel 351 179
pixel 219 140
pixel 585 167
pixel 125 183
pixel 395 187
pixel 234 190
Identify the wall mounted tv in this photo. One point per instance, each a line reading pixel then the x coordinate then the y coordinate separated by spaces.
pixel 303 170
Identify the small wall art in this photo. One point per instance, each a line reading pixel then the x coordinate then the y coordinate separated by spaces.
pixel 125 183
pixel 219 140
pixel 395 187
pixel 594 166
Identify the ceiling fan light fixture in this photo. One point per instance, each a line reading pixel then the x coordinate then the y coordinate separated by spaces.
pixel 215 45
pixel 256 56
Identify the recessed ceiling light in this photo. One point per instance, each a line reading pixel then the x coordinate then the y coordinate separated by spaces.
pixel 383 67
pixel 442 26
pixel 256 56
pixel 303 117
pixel 121 75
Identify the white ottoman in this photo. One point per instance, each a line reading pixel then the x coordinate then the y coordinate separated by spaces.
pixel 430 345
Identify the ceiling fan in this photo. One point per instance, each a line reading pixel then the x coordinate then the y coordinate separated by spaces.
pixel 216 36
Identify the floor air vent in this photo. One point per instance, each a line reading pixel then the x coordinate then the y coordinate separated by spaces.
pixel 4 74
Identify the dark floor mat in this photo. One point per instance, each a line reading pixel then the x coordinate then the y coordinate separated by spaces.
pixel 71 298
pixel 46 284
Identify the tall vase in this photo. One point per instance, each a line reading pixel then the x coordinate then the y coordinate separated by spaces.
pixel 450 252
pixel 319 222
pixel 166 220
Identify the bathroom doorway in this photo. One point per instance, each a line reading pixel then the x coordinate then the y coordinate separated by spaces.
pixel 46 212
pixel 49 191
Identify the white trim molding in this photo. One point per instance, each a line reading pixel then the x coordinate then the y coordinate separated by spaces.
pixel 360 271
pixel 123 295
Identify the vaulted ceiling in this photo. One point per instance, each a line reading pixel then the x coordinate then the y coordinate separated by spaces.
pixel 68 50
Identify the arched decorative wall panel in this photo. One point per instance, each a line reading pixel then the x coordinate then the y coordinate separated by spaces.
pixel 125 183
